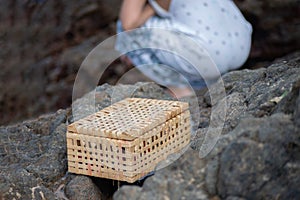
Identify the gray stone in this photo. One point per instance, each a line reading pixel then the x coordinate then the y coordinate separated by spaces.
pixel 276 32
pixel 211 175
pixel 234 198
pixel 123 194
pixel 183 179
pixel 106 95
pixel 253 156
pixel 257 155
pixel 289 101
pixel 82 187
pixel 43 44
pixel 297 112
pixel 33 158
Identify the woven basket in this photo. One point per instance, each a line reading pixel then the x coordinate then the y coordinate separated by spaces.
pixel 126 140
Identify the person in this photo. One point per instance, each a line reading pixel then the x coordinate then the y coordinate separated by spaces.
pixel 217 27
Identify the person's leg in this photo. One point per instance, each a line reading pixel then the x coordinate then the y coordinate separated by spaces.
pixel 126 61
pixel 179 92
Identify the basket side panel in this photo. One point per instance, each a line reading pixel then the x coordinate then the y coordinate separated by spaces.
pixel 127 160
pixel 100 157
pixel 157 144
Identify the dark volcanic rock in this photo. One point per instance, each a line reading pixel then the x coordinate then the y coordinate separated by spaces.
pixel 82 187
pixel 33 160
pixel 37 51
pixel 276 28
pixel 106 94
pixel 256 157
pixel 33 157
pixel 250 160
pixel 181 180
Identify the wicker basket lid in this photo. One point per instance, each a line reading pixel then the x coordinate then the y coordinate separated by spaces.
pixel 128 119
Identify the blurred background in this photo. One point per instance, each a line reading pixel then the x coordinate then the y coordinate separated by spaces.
pixel 43 43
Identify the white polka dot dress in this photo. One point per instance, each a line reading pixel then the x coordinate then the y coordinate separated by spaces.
pixel 206 32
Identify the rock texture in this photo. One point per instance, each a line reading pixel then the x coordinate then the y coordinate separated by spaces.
pixel 82 187
pixel 257 155
pixel 33 157
pixel 43 44
pixel 33 153
pixel 257 163
pixel 275 24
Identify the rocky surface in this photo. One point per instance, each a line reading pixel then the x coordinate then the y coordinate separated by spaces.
pixel 33 153
pixel 275 24
pixel 256 157
pixel 82 187
pixel 44 42
pixel 42 46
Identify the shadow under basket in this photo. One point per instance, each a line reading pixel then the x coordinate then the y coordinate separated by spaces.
pixel 127 140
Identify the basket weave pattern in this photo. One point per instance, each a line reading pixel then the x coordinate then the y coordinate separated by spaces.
pixel 127 140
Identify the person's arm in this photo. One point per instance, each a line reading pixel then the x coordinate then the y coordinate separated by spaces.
pixel 134 13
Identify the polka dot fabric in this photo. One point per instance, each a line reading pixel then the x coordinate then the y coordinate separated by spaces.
pixel 216 25
pixel 227 34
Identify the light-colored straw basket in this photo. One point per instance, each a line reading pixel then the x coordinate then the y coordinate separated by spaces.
pixel 126 140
